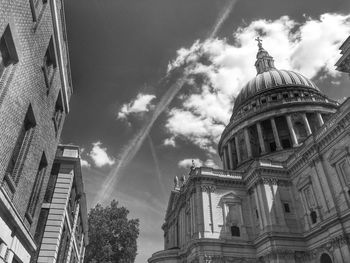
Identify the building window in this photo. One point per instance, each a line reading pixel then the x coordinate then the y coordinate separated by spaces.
pixel 257 213
pixel 58 114
pixel 52 182
pixel 8 53
pixel 285 95
pixel 37 7
pixel 263 100
pixel 21 147
pixel 286 208
pixel 50 64
pixel 34 198
pixel 325 258
pixel 274 97
pixel 235 232
pixel 313 217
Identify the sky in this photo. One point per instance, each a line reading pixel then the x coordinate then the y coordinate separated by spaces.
pixel 155 80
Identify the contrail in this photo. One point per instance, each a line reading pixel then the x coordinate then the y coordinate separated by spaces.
pixel 156 164
pixel 134 145
pixel 222 17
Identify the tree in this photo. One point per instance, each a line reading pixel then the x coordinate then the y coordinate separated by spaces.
pixel 112 236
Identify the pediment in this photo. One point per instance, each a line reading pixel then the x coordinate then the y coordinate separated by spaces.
pixel 337 154
pixel 230 198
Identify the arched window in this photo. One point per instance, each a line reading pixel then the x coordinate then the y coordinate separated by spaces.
pixel 325 258
pixel 313 216
pixel 235 232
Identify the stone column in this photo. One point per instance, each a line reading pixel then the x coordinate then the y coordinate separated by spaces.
pixel 306 124
pixel 275 134
pixel 291 131
pixel 225 158
pixel 261 138
pixel 237 150
pixel 230 152
pixel 319 119
pixel 247 142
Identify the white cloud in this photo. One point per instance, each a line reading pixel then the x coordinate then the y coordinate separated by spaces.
pixel 219 69
pixel 99 155
pixel 170 142
pixel 211 163
pixel 142 103
pixel 335 82
pixel 187 163
pixel 84 163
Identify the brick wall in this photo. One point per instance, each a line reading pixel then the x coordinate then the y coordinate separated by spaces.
pixel 24 85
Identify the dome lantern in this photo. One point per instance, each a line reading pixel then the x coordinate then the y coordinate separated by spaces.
pixel 264 62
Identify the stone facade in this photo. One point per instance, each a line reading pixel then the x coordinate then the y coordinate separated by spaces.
pixel 63 220
pixel 35 88
pixel 283 194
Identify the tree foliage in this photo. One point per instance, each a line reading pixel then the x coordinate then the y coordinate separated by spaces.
pixel 112 236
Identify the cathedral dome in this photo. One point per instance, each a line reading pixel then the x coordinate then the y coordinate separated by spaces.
pixel 270 79
pixel 275 112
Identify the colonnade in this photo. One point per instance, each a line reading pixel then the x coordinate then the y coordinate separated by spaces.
pixel 233 153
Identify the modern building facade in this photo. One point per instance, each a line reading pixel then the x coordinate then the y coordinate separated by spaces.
pixel 35 88
pixel 283 194
pixel 62 228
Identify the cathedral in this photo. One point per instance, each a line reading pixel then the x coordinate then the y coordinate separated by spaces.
pixel 283 194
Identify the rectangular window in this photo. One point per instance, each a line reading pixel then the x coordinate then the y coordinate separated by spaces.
pixel 8 53
pixel 49 64
pixel 21 147
pixel 52 182
pixel 58 114
pixel 286 208
pixel 38 184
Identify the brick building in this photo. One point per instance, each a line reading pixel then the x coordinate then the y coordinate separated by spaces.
pixel 35 88
pixel 283 194
pixel 62 226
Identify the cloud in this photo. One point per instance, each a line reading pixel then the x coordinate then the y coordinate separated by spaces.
pixel 170 142
pixel 335 82
pixel 218 69
pixel 99 155
pixel 142 103
pixel 84 163
pixel 187 163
